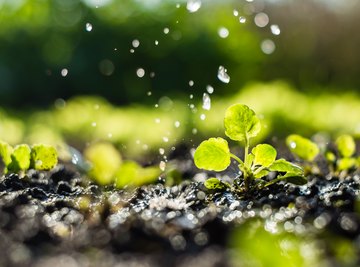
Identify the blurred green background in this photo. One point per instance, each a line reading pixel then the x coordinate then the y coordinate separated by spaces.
pixel 149 62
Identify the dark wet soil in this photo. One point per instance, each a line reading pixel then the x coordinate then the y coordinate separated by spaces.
pixel 58 218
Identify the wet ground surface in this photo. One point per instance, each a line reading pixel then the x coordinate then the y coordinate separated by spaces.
pixel 58 219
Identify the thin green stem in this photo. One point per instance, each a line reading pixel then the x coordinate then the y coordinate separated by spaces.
pixel 237 159
pixel 246 176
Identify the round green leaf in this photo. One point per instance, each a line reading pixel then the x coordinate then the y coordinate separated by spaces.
pixel 264 154
pixel 302 147
pixel 241 122
pixel 20 158
pixel 346 145
pixel 5 152
pixel 346 163
pixel 43 157
pixel 282 165
pixel 213 155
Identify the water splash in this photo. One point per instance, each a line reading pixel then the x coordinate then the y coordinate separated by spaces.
pixel 193 5
pixel 206 102
pixel 222 75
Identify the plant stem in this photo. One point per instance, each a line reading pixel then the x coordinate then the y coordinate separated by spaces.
pixel 246 176
pixel 241 163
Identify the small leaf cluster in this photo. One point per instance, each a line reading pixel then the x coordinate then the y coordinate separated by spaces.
pixel 23 157
pixel 341 157
pixel 108 168
pixel 242 124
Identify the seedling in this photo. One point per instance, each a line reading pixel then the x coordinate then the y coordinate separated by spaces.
pixel 23 157
pixel 343 160
pixel 241 124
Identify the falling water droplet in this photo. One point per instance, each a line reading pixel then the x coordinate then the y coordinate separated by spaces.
pixel 140 72
pixel 135 43
pixel 206 102
pixel 210 89
pixel 132 51
pixel 194 131
pixel 242 19
pixel 64 72
pixel 268 46
pixel 193 5
pixel 191 83
pixel 236 13
pixel 202 117
pixel 157 120
pixel 162 165
pixel 177 5
pixel 177 124
pixel 165 139
pixel 191 96
pixel 166 30
pixel 275 29
pixel 161 151
pixel 293 145
pixel 93 124
pixel 88 27
pixel 223 32
pixel 156 42
pixel 222 75
pixel 261 19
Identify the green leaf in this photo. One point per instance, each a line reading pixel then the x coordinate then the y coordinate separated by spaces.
pixel 241 123
pixel 330 156
pixel 302 147
pixel 264 154
pixel 261 174
pixel 213 155
pixel 346 163
pixel 20 158
pixel 105 161
pixel 43 157
pixel 346 145
pixel 249 160
pixel 132 174
pixel 5 152
pixel 282 165
pixel 293 178
pixel 215 184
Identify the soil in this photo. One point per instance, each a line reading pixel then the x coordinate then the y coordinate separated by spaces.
pixel 58 218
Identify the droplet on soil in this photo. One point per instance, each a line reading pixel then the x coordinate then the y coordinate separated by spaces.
pixel 206 102
pixel 193 5
pixel 222 75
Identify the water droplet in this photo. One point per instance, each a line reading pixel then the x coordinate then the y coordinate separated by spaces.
pixel 275 29
pixel 88 27
pixel 157 120
pixel 223 32
pixel 293 145
pixel 166 30
pixel 165 139
pixel 194 131
pixel 202 117
pixel 161 151
pixel 177 124
pixel 177 5
pixel 96 106
pixel 261 19
pixel 242 19
pixel 236 13
pixel 191 83
pixel 110 135
pixel 93 124
pixel 135 43
pixel 140 72
pixel 268 46
pixel 106 67
pixel 145 147
pixel 191 96
pixel 193 5
pixel 162 165
pixel 156 105
pixel 149 93
pixel 210 89
pixel 222 75
pixel 152 74
pixel 60 103
pixel 206 102
pixel 64 72
pixel 132 51
pixel 156 42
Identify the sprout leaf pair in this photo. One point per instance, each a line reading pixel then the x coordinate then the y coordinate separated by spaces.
pixel 241 124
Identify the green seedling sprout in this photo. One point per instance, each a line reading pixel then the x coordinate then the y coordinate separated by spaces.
pixel 242 124
pixel 22 157
pixel 344 160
